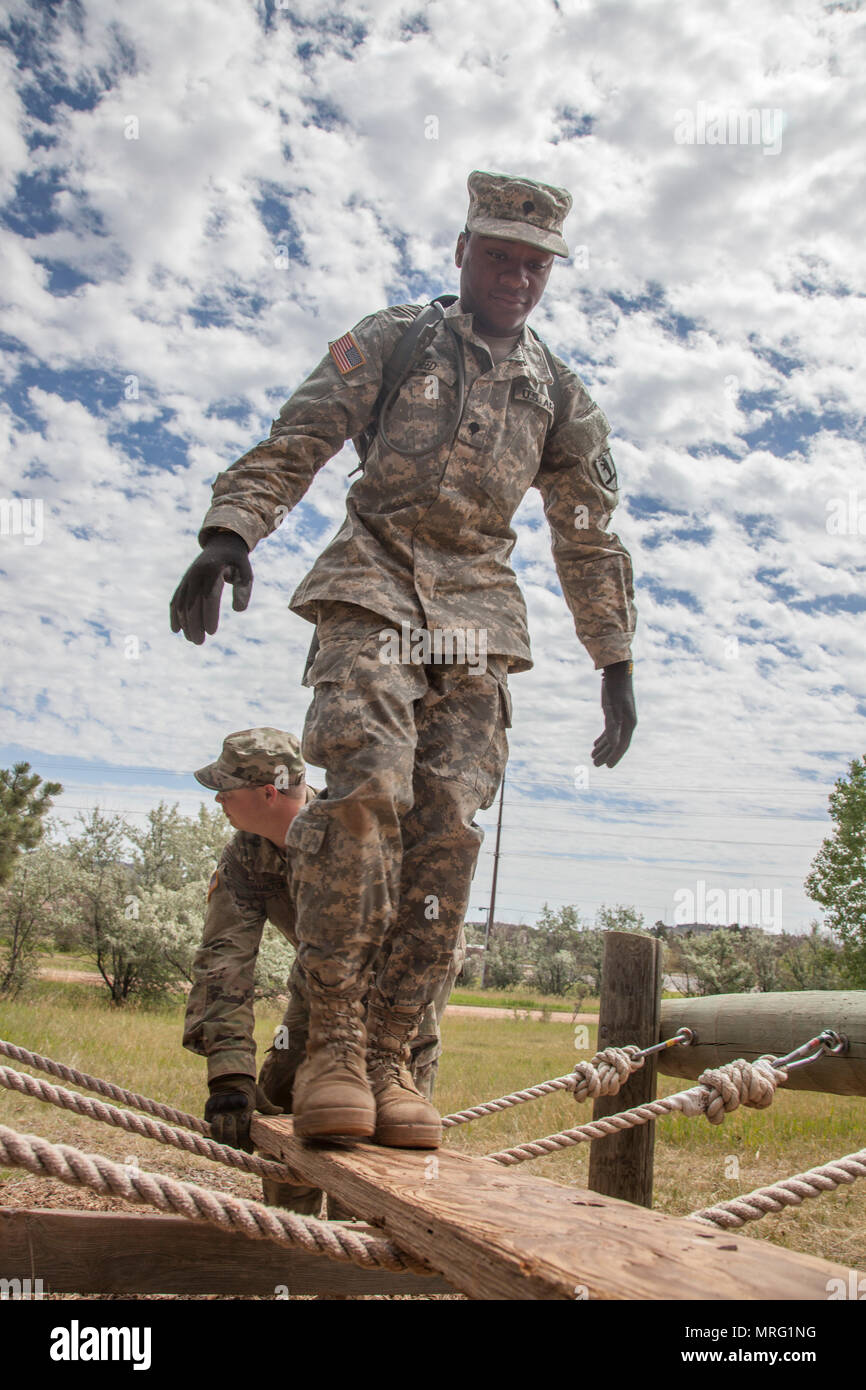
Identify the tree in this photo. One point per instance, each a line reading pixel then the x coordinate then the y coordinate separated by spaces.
pixel 126 943
pixel 502 968
pixel 174 850
pixel 619 918
pixel 273 964
pixel 715 963
pixel 29 905
pixel 470 975
pixel 837 878
pixel 762 953
pixel 24 802
pixel 812 962
pixel 554 949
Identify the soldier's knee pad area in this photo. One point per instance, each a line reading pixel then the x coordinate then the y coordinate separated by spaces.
pixel 277 1076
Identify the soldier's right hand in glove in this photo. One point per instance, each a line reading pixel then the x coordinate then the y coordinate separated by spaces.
pixel 195 607
pixel 230 1109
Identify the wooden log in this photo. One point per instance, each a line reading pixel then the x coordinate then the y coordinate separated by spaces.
pixel 503 1233
pixel 622 1164
pixel 127 1253
pixel 730 1026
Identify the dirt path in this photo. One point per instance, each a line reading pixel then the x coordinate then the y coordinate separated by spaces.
pixel 480 1011
pixel 75 977
pixel 87 977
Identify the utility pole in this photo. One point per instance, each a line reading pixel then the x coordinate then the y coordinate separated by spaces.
pixel 493 884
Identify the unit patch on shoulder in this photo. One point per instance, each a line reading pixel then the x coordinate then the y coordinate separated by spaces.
pixel 346 354
pixel 213 885
pixel 526 393
pixel 606 470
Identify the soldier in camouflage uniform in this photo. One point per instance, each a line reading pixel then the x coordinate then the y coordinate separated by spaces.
pixel 414 743
pixel 260 783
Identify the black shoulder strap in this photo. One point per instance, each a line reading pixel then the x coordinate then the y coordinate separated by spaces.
pixel 415 337
pixel 556 384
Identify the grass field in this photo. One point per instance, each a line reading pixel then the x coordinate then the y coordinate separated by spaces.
pixel 140 1049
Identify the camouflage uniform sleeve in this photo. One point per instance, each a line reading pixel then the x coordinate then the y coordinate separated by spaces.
pixel 579 488
pixel 219 1015
pixel 256 493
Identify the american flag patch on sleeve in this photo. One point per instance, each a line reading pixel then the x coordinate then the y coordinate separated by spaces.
pixel 346 354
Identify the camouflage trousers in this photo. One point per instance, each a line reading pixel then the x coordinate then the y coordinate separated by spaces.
pixel 277 1075
pixel 383 860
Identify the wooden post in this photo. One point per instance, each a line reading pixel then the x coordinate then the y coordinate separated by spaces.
pixel 622 1164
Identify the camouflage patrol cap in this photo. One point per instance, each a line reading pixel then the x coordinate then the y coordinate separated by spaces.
pixel 255 758
pixel 518 210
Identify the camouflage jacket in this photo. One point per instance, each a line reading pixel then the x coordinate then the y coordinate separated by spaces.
pixel 248 889
pixel 427 540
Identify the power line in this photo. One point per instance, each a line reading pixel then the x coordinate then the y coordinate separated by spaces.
pixel 680 839
pixel 655 864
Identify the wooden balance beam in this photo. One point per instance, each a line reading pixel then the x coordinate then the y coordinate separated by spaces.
pixel 505 1233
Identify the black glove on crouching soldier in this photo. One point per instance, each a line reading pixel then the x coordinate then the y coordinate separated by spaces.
pixel 620 718
pixel 230 1109
pixel 195 607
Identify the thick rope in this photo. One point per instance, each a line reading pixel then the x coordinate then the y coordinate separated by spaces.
pixel 719 1091
pixel 791 1192
pixel 104 1088
pixel 147 1128
pixel 250 1219
pixel 603 1076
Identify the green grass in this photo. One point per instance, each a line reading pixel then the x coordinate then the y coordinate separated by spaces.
pixel 141 1049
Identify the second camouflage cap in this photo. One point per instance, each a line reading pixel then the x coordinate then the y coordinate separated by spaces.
pixel 255 758
pixel 518 210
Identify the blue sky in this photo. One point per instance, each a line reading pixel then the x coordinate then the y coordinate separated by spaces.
pixel 195 197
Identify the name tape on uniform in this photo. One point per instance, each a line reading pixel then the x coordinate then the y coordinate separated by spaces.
pixel 526 393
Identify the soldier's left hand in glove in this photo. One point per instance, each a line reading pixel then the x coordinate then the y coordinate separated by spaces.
pixel 620 718
pixel 230 1109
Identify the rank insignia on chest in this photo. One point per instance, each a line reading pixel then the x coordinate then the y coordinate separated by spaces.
pixel 346 354
pixel 526 393
pixel 606 470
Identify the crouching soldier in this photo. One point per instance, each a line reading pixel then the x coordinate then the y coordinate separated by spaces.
pixel 260 783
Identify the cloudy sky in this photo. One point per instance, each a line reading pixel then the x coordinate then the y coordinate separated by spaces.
pixel 198 194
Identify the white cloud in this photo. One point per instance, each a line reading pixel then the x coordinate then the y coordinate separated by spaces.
pixel 760 255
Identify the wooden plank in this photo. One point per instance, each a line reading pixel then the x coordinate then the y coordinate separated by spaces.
pixel 127 1253
pixel 747 1025
pixel 504 1233
pixel 622 1164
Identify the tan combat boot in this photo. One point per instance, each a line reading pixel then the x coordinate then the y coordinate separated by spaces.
pixel 404 1119
pixel 331 1095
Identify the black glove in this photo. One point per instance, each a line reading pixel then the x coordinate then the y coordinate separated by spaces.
pixel 620 719
pixel 195 606
pixel 230 1109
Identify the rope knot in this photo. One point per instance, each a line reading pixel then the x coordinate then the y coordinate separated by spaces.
pixel 608 1071
pixel 740 1083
